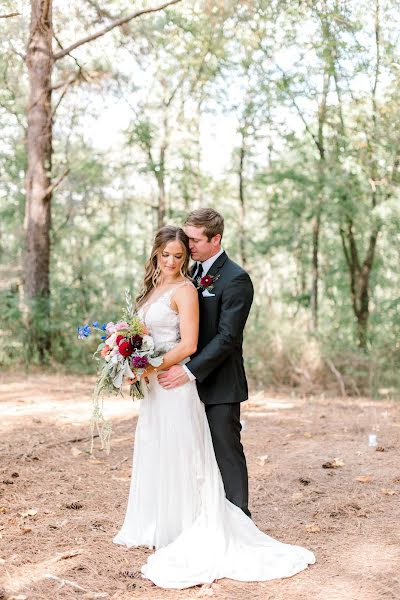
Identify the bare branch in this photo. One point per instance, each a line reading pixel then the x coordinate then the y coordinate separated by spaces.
pixel 338 376
pixel 65 84
pixel 345 251
pixel 299 112
pixel 353 247
pixel 101 12
pixel 55 185
pixel 111 26
pixel 15 14
pixel 369 258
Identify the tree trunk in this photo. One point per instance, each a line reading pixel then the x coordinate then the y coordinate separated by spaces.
pixel 242 213
pixel 316 223
pixel 360 275
pixel 38 176
pixel 161 209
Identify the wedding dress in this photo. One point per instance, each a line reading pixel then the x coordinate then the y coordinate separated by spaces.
pixel 177 501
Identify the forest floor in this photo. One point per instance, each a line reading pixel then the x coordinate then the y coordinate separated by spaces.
pixel 60 507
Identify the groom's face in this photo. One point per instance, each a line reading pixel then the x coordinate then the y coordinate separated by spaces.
pixel 201 248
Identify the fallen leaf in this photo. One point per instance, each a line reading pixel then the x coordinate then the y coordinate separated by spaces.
pixel 313 528
pixel 26 529
pixel 307 434
pixel 3 510
pixel 379 449
pixel 334 464
pixel 364 478
pixel 261 460
pixel 389 492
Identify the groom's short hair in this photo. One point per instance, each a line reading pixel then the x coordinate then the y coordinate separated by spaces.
pixel 208 218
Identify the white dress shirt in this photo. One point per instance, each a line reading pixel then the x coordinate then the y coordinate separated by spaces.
pixel 206 267
pixel 209 262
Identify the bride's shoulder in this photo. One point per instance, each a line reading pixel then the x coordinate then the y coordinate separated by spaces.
pixel 187 286
pixel 185 289
pixel 189 283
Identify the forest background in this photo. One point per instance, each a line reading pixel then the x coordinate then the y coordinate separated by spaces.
pixel 118 117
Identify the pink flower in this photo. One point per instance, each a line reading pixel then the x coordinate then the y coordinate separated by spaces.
pixel 105 351
pixel 121 325
pixel 110 328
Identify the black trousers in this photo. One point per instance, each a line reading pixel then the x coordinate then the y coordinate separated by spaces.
pixel 225 427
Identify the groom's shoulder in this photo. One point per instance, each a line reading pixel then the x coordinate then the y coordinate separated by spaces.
pixel 234 270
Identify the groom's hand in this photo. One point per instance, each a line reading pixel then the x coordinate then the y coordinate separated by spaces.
pixel 174 377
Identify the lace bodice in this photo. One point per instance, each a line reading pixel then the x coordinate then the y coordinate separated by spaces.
pixel 161 320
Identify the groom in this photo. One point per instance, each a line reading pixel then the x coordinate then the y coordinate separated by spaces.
pixel 225 296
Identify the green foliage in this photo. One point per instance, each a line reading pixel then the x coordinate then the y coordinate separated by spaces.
pixel 299 93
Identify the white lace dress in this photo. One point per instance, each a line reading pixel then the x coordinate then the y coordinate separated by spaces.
pixel 177 502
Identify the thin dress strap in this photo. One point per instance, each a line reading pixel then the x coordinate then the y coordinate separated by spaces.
pixel 173 290
pixel 167 294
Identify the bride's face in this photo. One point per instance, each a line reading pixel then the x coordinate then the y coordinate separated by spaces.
pixel 171 259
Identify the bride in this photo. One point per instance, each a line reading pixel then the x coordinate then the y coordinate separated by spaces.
pixel 177 501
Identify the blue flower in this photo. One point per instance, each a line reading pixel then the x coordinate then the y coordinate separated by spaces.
pixel 103 327
pixel 103 337
pixel 95 323
pixel 83 332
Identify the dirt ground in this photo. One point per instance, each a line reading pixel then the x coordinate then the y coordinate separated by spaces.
pixel 60 507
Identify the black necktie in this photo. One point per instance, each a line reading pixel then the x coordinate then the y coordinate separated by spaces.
pixel 199 272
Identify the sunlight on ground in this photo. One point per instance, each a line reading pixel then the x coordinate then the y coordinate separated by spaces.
pixel 62 405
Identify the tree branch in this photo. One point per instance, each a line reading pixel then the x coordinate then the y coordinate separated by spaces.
pixel 353 247
pixel 15 14
pixel 116 23
pixel 299 112
pixel 345 251
pixel 369 258
pixel 55 185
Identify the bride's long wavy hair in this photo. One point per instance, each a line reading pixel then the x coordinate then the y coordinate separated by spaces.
pixel 152 271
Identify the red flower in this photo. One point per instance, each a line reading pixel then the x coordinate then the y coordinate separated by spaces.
pixel 206 281
pixel 125 349
pixel 118 339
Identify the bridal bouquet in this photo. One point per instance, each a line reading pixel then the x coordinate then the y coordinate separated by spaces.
pixel 126 350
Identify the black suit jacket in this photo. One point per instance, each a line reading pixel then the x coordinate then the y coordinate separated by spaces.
pixel 218 362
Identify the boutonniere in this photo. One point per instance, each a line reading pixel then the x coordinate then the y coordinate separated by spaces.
pixel 207 282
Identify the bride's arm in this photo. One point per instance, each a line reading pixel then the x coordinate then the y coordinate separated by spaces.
pixel 187 303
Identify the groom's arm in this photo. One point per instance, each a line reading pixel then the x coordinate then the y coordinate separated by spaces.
pixel 237 298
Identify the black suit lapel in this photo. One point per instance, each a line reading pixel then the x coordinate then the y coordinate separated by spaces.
pixel 218 264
